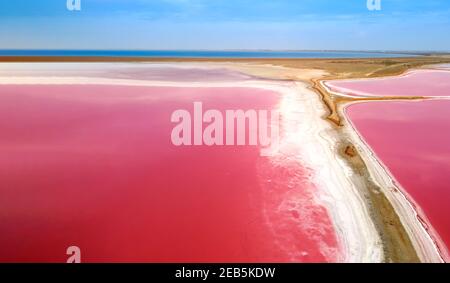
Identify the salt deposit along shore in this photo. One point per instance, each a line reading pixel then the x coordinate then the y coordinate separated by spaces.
pixel 302 204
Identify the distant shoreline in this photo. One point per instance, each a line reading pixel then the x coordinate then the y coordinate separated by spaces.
pixel 209 54
pixel 81 59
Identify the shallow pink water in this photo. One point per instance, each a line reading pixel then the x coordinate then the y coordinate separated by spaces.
pixel 135 71
pixel 416 83
pixel 94 166
pixel 413 141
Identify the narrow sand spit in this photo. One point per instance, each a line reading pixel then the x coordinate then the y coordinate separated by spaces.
pixel 340 193
pixel 318 148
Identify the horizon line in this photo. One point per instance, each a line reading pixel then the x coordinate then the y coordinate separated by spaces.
pixel 232 50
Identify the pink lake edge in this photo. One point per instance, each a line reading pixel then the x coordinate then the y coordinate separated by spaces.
pixel 381 148
pixel 421 83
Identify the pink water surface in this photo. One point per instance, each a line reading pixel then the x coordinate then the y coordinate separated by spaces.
pixel 415 83
pixel 413 141
pixel 135 71
pixel 93 166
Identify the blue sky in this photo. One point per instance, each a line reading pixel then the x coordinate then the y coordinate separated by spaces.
pixel 225 24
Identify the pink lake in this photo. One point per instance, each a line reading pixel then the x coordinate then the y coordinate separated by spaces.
pixel 93 166
pixel 415 83
pixel 412 139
